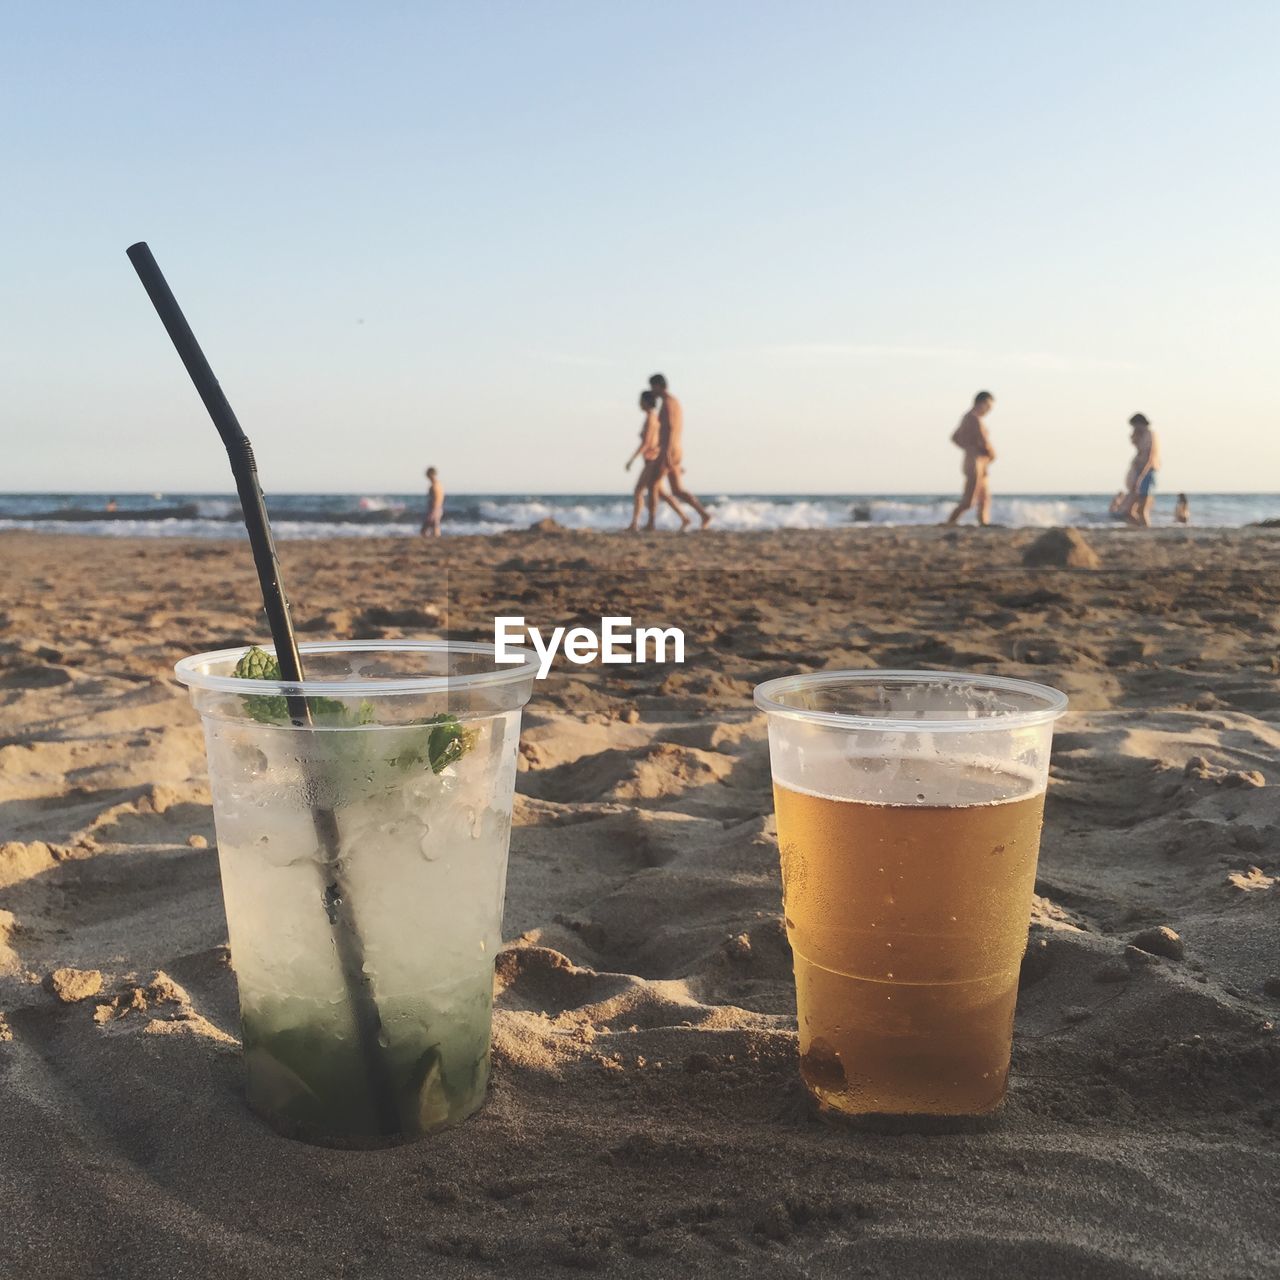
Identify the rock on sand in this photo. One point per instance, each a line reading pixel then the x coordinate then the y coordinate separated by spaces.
pixel 70 985
pixel 1160 941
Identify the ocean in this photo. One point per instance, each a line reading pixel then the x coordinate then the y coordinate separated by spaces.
pixel 210 515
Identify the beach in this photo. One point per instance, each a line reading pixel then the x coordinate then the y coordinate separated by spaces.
pixel 646 1115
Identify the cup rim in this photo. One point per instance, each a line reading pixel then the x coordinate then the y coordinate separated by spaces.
pixel 190 673
pixel 1053 701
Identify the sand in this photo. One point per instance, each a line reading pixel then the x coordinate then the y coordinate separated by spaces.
pixel 645 1116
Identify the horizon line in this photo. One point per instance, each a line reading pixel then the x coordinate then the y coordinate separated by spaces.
pixel 614 493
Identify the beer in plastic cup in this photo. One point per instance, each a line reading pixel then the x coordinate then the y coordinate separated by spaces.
pixel 909 808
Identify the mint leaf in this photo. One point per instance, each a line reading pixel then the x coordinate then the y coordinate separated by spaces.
pixel 258 664
pixel 331 711
pixel 446 743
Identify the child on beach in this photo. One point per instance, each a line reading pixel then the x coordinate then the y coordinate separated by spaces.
pixel 435 505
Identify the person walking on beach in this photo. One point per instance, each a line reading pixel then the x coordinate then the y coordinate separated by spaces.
pixel 1146 463
pixel 971 436
pixel 1182 511
pixel 651 478
pixel 671 450
pixel 435 505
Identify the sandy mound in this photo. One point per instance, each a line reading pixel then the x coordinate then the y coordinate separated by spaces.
pixel 1061 548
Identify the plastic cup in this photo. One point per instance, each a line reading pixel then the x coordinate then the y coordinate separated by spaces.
pixel 909 808
pixel 363 862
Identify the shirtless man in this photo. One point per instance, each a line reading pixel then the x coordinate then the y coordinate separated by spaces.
pixel 1146 462
pixel 435 505
pixel 671 451
pixel 971 436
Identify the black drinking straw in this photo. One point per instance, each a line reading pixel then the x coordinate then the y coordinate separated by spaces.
pixel 337 902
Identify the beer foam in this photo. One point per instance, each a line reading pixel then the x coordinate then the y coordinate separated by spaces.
pixel 948 782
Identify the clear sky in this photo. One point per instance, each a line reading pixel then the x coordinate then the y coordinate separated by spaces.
pixel 466 233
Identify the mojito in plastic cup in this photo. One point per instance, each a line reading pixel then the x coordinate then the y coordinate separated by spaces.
pixel 363 852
